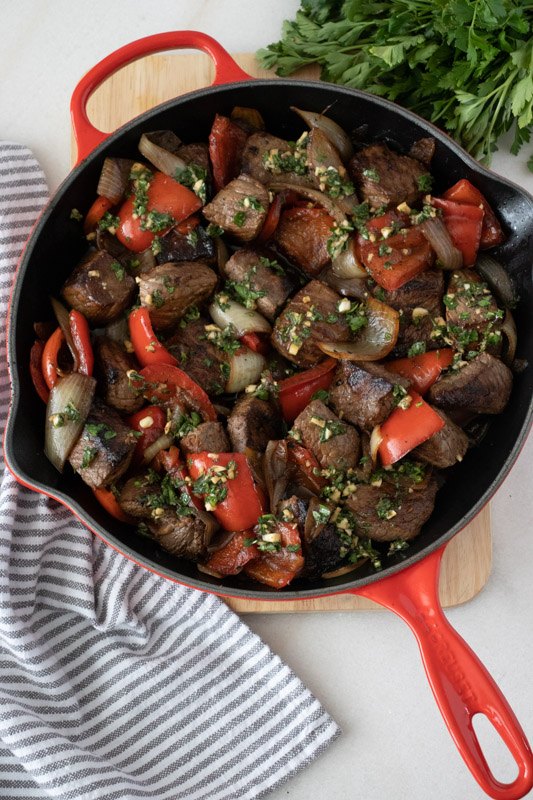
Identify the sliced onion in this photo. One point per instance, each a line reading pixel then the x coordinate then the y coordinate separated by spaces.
pixel 63 319
pixel 375 440
pixel 118 330
pixel 73 391
pixel 159 147
pixel 374 341
pixel 347 265
pixel 221 541
pixel 244 320
pixel 321 199
pixel 162 443
pixel 114 178
pixel 349 287
pixel 509 331
pixel 222 254
pixel 277 471
pixel 436 233
pixel 335 134
pixel 498 279
pixel 245 368
pixel 211 525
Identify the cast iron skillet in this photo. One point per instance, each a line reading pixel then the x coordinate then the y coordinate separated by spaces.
pixel 407 585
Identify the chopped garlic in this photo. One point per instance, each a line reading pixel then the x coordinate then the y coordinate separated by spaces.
pixel 146 422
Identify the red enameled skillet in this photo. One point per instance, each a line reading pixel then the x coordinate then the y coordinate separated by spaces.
pixel 408 585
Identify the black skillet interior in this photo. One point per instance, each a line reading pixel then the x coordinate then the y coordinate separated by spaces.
pixel 57 244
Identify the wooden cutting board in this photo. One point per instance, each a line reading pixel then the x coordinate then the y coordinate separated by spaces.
pixel 142 85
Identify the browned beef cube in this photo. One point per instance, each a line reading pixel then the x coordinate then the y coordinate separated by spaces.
pixel 104 450
pixel 423 150
pixel 310 317
pixel 99 287
pixel 364 393
pixel 240 208
pixel 194 246
pixel 385 178
pixel 419 302
pixel 472 310
pixel 208 437
pixel 333 442
pixel 263 275
pixel 200 358
pixel 446 447
pixel 386 513
pixel 169 290
pixel 177 530
pixel 257 150
pixel 112 366
pixel 195 153
pixel 302 235
pixel 253 423
pixel 483 386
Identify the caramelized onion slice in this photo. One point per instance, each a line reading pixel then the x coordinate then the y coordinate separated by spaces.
pixel 245 368
pixel 244 320
pixel 160 147
pixel 498 280
pixel 347 265
pixel 335 134
pixel 509 331
pixel 376 339
pixel 348 287
pixel 63 319
pixel 114 178
pixel 344 570
pixel 435 231
pixel 66 412
pixel 321 199
pixel 162 443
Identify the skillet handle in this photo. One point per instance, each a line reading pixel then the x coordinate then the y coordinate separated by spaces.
pixel 86 135
pixel 461 684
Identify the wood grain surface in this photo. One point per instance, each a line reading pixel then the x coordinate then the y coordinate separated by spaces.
pixel 139 86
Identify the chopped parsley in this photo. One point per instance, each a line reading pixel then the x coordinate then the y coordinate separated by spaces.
pixel 214 231
pixel 169 492
pixel 109 223
pixel 297 326
pixel 360 217
pixel 396 546
pixel 321 394
pixel 101 429
pixel 244 291
pixel 338 238
pixel 191 315
pixel 193 177
pixel 186 424
pixel 425 183
pixel 118 269
pixel 385 508
pixel 293 160
pixel 372 175
pixel 212 484
pixel 321 514
pixel 271 263
pixel 225 339
pixel 416 349
pixel 239 218
pixel 333 183
pixel 141 178
pixel 353 314
pixel 192 237
pixel 328 428
pixel 89 454
pixel 156 221
pixel 75 214
pixel 252 202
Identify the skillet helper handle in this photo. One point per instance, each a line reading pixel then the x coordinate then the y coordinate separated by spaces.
pixel 461 684
pixel 87 136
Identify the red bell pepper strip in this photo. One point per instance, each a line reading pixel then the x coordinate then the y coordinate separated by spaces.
pixel 464 224
pixel 226 143
pixel 107 500
pixel 271 220
pixel 308 465
pixel 464 192
pixel 406 428
pixel 256 342
pixel 296 392
pixel 278 569
pixel 148 349
pixel 162 382
pixel 188 224
pixel 231 558
pixel 36 371
pixel 164 196
pixel 393 258
pixel 49 357
pixel 422 371
pixel 243 502
pixel 81 336
pixel 150 423
pixel 95 214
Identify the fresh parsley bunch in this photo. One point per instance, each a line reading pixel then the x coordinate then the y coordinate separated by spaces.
pixel 466 65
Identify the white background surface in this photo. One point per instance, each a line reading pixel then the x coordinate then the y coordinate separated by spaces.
pixel 364 667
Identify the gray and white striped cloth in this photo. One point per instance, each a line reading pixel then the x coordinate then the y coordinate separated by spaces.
pixel 115 683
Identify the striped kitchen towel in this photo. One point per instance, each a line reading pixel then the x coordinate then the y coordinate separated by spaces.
pixel 115 683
